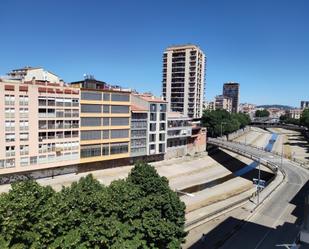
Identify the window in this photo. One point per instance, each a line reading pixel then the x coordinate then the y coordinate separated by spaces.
pixel 120 97
pixel 58 101
pixel 119 133
pixel 152 127
pixel 23 100
pixel 90 150
pixel 9 125
pixel 75 102
pixel 152 137
pixel 24 161
pixel 90 108
pixel 105 149
pixel 162 126
pixel 24 136
pixel 90 135
pixel 119 121
pixel 9 112
pixel 106 108
pixel 9 151
pixel 106 97
pixel 24 112
pixel 119 148
pixel 162 107
pixel 51 101
pixel 106 134
pixel 162 116
pixel 153 107
pixel 161 148
pixel 153 116
pixel 105 121
pixel 138 133
pixel 9 99
pixel 9 137
pixel 90 122
pixel 24 125
pixel 9 163
pixel 33 160
pixel 120 109
pixel 162 137
pixel 91 96
pixel 24 149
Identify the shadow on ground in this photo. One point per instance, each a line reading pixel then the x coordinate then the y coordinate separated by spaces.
pixel 233 164
pixel 252 235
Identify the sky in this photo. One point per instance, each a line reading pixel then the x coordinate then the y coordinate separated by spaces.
pixel 262 44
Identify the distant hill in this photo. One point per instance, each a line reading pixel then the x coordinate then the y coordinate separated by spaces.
pixel 284 107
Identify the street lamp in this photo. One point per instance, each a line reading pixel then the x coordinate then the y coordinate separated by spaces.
pixel 222 123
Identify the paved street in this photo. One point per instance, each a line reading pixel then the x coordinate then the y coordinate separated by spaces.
pixel 275 222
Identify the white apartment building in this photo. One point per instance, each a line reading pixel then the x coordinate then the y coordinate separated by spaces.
pixel 224 103
pixel 184 79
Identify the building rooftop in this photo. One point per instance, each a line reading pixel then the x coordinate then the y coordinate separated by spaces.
pixel 182 46
pixel 136 108
pixel 177 115
pixel 150 98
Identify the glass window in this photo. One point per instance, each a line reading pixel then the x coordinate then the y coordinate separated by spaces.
pixel 119 121
pixel 119 148
pixel 153 107
pixel 24 136
pixel 105 121
pixel 90 150
pixel 106 134
pixel 152 137
pixel 24 161
pixel 119 133
pixel 106 96
pixel 120 109
pixel 153 127
pixel 10 137
pixel 106 108
pixel 105 149
pixel 90 122
pixel 91 95
pixel 153 116
pixel 120 97
pixel 162 107
pixel 91 108
pixel 90 135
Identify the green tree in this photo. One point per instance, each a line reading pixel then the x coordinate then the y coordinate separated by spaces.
pixel 221 119
pixel 304 120
pixel 262 113
pixel 138 212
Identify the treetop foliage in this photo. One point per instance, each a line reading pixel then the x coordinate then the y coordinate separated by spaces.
pixel 222 119
pixel 262 113
pixel 138 212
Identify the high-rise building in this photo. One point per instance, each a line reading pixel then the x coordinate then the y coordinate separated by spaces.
pixel 183 79
pixel 224 103
pixel 304 105
pixel 231 89
pixel 40 121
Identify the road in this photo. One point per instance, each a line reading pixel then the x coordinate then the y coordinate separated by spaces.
pixel 276 222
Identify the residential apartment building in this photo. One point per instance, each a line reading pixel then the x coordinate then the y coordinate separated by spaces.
pixel 139 129
pixel 224 103
pixel 231 89
pixel 156 118
pixel 105 121
pixel 304 105
pixel 40 121
pixel 179 128
pixel 294 113
pixel 184 79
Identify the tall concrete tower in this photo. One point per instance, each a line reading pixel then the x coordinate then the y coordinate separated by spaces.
pixel 184 79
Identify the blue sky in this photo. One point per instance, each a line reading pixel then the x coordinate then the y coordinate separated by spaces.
pixel 262 44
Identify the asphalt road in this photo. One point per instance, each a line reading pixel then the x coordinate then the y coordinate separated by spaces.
pixel 275 224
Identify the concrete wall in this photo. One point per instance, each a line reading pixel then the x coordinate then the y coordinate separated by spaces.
pixel 236 134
